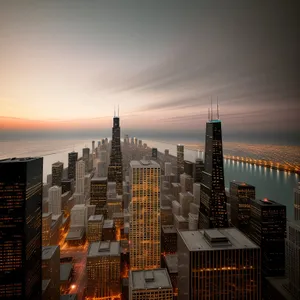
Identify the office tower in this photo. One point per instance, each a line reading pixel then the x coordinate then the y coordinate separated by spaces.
pixel 154 153
pixel 140 143
pixel 103 270
pixel 21 183
pixel 132 141
pixel 102 169
pixel 115 169
pixel 80 173
pixel 94 232
pixel 240 195
pixel 150 284
pixel 78 215
pixel 297 202
pixel 168 239
pixel 57 173
pixel 170 262
pixel 180 159
pixel 135 141
pixel 166 215
pixel 108 230
pixel 72 159
pixel 99 195
pixel 167 152
pixel 51 269
pixel 188 167
pixel 87 185
pixel 144 234
pixel 67 185
pixel 86 158
pixel 267 230
pixel 103 156
pixel 186 183
pixel 168 169
pixel 93 146
pixel 213 212
pixel 55 200
pixel 185 199
pixel 292 258
pixel 46 228
pixel 198 169
pixel 218 264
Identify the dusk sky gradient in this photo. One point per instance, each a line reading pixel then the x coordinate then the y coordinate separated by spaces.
pixel 64 65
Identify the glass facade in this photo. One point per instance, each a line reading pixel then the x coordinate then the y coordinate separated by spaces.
pixel 20 228
pixel 72 158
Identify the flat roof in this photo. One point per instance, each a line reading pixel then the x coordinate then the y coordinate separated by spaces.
pixel 172 262
pixel 95 179
pixel 68 297
pixel 58 163
pixel 19 159
pixel 198 240
pixel 78 207
pixel 65 271
pixel 278 284
pixel 180 218
pixel 96 218
pixel 104 248
pixel 150 279
pixel 75 233
pixel 166 207
pixel 169 229
pixel 144 164
pixel 46 215
pixel 241 183
pixel 108 224
pixel 176 184
pixel 117 215
pixel 265 202
pixel 48 251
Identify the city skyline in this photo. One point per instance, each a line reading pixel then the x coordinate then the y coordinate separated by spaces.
pixel 85 58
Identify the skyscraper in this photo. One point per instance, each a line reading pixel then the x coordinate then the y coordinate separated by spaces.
pixel 198 169
pixel 55 200
pixel 180 159
pixel 99 195
pixel 240 195
pixel 21 183
pixel 57 173
pixel 80 173
pixel 144 234
pixel 72 158
pixel 115 169
pixel 297 202
pixel 86 158
pixel 218 264
pixel 267 230
pixel 213 212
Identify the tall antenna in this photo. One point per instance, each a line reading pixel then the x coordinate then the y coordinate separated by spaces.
pixel 211 109
pixel 218 115
pixel 114 110
pixel 208 114
pixel 118 111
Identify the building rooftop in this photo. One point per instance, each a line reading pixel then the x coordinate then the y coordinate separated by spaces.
pixel 117 215
pixel 46 215
pixel 65 271
pixel 150 279
pixel 75 233
pixel 266 202
pixel 166 208
pixel 96 218
pixel 172 262
pixel 48 252
pixel 216 239
pixel 68 297
pixel 242 184
pixel 278 284
pixel 57 164
pixel 56 217
pixel 104 248
pixel 180 218
pixel 175 184
pixel 98 179
pixel 168 229
pixel 18 159
pixel 108 224
pixel 78 207
pixel 144 164
pixel 45 284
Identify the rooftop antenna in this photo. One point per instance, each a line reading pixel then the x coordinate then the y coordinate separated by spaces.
pixel 208 114
pixel 114 110
pixel 218 115
pixel 211 109
pixel 118 111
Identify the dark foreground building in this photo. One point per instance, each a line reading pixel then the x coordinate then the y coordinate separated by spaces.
pixel 21 182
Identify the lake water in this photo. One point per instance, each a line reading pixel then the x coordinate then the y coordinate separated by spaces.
pixel 272 184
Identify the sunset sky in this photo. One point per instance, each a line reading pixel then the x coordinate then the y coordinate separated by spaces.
pixel 64 65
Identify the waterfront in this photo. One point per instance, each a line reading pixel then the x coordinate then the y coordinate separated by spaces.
pixel 273 184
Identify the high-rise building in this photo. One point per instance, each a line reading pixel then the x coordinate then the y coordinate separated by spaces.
pixel 94 232
pixel 103 269
pixel 99 195
pixel 150 284
pixel 154 153
pixel 86 158
pixel 267 230
pixel 72 159
pixel 213 211
pixel 240 195
pixel 55 200
pixel 51 269
pixel 80 174
pixel 188 167
pixel 168 239
pixel 144 234
pixel 115 169
pixel 218 264
pixel 93 146
pixel 297 202
pixel 198 169
pixel 180 159
pixel 292 258
pixel 57 173
pixel 21 184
